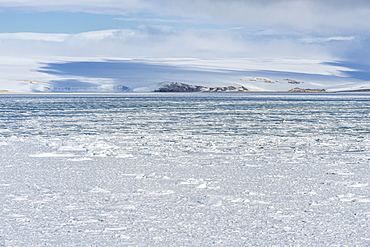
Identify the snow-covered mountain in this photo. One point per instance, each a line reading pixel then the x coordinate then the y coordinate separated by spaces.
pixel 151 74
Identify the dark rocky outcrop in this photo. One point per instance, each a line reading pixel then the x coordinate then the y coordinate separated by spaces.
pixel 291 81
pixel 182 87
pixel 261 79
pixel 226 89
pixel 178 87
pixel 302 90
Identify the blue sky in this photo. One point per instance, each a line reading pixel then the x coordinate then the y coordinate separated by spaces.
pixel 333 34
pixel 77 22
pixel 56 22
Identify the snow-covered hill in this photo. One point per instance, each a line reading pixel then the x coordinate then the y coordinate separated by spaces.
pixel 150 74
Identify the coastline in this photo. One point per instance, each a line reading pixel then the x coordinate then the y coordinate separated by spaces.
pixel 291 91
pixel 249 92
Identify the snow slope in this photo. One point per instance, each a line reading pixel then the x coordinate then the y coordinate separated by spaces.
pixel 79 74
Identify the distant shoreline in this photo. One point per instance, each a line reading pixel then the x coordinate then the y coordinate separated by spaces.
pixel 249 92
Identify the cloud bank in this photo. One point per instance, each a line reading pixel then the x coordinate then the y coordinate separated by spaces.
pixel 332 17
pixel 334 30
pixel 161 41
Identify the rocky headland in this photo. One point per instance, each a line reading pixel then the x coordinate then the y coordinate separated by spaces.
pixel 307 90
pixel 186 88
pixel 182 87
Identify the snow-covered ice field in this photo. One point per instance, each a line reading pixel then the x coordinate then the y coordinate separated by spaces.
pixel 185 169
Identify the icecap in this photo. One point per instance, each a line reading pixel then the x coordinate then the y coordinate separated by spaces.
pixel 92 74
pixel 185 170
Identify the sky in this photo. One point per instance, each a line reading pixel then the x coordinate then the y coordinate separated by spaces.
pixel 202 34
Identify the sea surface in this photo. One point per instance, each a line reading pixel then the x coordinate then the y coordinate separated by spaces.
pixel 200 169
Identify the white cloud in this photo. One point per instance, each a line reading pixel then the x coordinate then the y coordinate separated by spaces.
pixel 154 20
pixel 35 36
pixel 284 29
pixel 311 15
pixel 158 41
pixel 333 17
pixel 328 39
pixel 90 6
